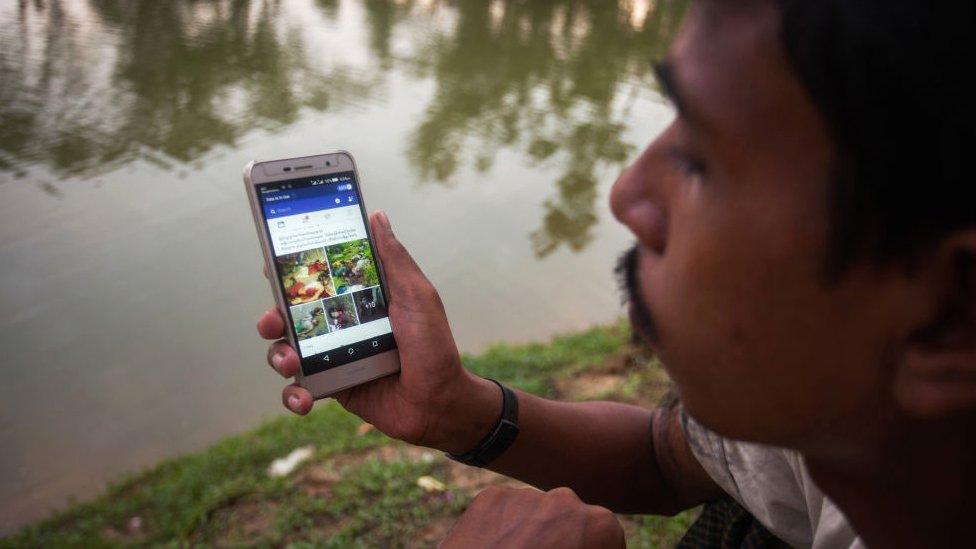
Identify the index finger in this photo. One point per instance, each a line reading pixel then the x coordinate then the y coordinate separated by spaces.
pixel 271 325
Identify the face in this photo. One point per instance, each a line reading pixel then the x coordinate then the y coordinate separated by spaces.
pixel 729 209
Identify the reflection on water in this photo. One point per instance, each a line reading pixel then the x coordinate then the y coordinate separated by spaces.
pixel 552 80
pixel 170 81
pixel 490 131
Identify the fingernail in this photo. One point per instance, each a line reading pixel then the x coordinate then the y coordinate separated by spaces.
pixel 384 221
pixel 277 359
pixel 294 403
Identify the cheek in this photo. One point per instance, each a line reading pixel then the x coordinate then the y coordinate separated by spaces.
pixel 735 298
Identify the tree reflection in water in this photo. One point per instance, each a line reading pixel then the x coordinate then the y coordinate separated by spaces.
pixel 546 78
pixel 552 80
pixel 186 76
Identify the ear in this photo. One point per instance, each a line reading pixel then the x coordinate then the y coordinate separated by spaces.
pixel 936 376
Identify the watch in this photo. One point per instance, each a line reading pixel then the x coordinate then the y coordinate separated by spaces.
pixel 502 435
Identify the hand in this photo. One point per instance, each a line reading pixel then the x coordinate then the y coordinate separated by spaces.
pixel 433 401
pixel 509 517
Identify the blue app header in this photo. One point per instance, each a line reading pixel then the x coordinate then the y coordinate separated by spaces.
pixel 310 194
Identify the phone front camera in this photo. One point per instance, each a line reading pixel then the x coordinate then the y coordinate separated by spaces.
pixel 327 163
pixel 287 169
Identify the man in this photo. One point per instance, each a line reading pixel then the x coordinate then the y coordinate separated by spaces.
pixel 806 269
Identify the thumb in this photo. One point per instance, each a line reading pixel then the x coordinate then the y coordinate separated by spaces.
pixel 401 271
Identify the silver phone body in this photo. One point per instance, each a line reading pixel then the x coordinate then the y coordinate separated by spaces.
pixel 338 378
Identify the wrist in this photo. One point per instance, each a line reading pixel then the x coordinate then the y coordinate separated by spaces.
pixel 472 413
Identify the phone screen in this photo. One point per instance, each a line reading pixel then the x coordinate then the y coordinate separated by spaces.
pixel 327 269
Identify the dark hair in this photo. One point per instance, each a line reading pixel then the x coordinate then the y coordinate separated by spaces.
pixel 894 81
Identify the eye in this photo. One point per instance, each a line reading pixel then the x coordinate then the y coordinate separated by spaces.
pixel 688 165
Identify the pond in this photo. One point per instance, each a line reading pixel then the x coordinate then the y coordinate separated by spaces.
pixel 130 274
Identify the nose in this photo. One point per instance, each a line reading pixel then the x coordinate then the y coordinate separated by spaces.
pixel 637 200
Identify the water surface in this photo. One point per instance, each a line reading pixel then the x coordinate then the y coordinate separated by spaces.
pixel 129 268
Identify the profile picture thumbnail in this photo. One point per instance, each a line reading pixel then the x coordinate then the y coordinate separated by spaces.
pixel 352 266
pixel 309 320
pixel 340 312
pixel 370 304
pixel 305 276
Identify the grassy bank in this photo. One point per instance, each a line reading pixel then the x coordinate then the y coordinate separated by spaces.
pixel 359 488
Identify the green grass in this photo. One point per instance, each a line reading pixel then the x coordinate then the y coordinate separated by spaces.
pixel 360 489
pixel 536 366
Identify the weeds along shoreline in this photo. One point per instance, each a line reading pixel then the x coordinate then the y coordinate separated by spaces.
pixel 344 483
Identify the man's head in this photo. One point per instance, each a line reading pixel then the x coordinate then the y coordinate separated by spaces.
pixel 806 247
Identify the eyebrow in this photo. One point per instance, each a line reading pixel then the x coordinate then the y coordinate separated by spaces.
pixel 664 70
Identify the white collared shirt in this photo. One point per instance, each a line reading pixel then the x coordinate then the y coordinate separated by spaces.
pixel 774 485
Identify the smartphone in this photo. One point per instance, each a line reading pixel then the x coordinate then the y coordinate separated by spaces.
pixel 325 274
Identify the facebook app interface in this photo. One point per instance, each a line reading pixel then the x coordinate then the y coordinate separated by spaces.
pixel 327 270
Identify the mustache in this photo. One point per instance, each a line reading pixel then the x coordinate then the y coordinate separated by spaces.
pixel 628 283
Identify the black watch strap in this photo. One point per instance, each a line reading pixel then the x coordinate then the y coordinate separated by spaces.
pixel 502 435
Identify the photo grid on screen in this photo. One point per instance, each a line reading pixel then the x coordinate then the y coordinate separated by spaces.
pixel 332 288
